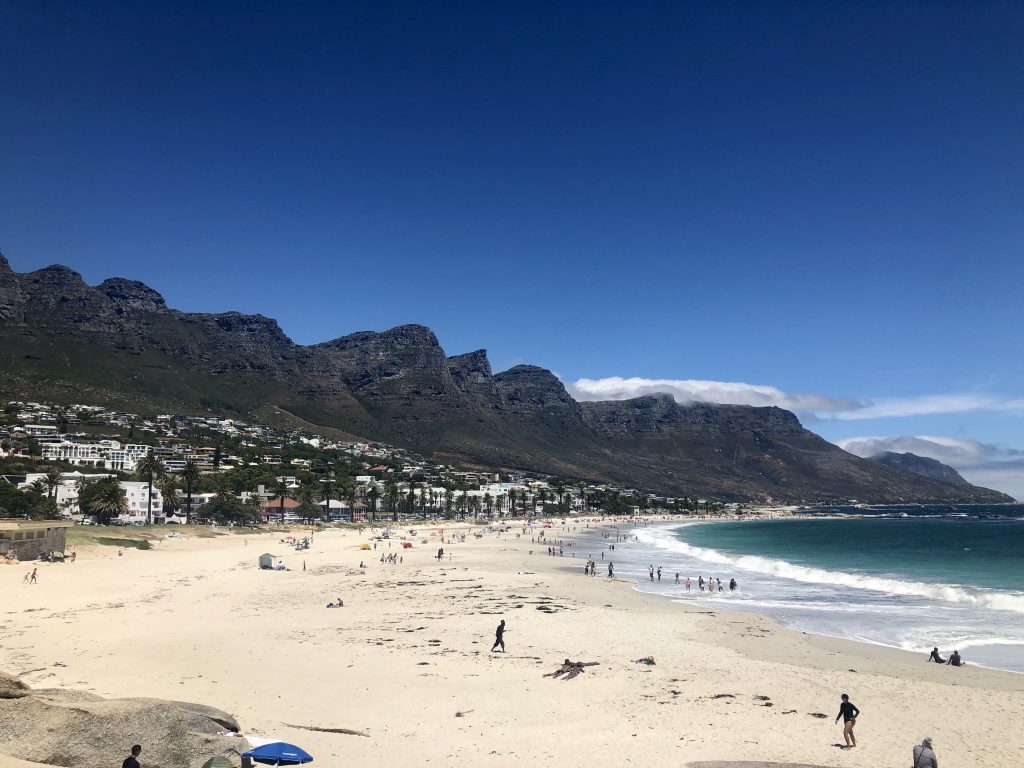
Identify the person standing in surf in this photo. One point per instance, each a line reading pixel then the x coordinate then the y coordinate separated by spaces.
pixel 849 713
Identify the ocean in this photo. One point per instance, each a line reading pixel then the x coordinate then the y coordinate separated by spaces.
pixel 910 583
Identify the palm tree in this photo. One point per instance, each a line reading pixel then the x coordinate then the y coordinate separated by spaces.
pixel 488 502
pixel 149 467
pixel 190 476
pixel 308 497
pixel 283 490
pixel 391 494
pixel 328 490
pixel 350 496
pixel 110 499
pixel 511 496
pixel 371 498
pixel 171 499
pixel 52 479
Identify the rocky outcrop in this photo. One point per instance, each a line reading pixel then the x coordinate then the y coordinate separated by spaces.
pixel 401 366
pixel 471 374
pixel 11 687
pixel 59 727
pixel 131 295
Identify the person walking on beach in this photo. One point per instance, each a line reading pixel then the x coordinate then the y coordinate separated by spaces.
pixel 33 580
pixel 688 583
pixel 849 713
pixel 132 761
pixel 924 755
pixel 650 570
pixel 499 637
pixel 659 573
pixel 611 569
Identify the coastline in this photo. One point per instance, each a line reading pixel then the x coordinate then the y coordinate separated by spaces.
pixel 195 620
pixel 833 588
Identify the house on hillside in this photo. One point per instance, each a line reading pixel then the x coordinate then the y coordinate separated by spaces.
pixel 272 510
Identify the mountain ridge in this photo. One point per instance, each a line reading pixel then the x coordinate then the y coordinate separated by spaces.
pixel 120 341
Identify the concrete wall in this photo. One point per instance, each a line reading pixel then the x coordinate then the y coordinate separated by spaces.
pixel 29 544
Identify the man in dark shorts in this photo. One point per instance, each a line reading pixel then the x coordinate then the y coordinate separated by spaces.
pixel 132 761
pixel 499 637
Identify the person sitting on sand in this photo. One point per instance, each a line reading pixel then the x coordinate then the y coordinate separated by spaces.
pixel 849 713
pixel 955 659
pixel 935 656
pixel 924 755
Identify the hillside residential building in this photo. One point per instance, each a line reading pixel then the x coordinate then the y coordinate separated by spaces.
pixel 136 496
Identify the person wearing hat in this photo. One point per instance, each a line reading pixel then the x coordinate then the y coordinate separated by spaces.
pixel 924 755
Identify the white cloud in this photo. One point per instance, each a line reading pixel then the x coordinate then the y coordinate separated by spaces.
pixel 948 450
pixel 984 464
pixel 696 390
pixel 808 405
pixel 894 407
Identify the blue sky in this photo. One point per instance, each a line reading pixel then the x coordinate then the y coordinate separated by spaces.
pixel 820 198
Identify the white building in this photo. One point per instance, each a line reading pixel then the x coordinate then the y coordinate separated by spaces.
pixel 82 454
pixel 126 458
pixel 135 493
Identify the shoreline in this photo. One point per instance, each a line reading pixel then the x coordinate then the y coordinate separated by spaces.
pixel 1006 644
pixel 193 619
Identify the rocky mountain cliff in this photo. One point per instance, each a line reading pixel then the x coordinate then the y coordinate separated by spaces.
pixel 920 465
pixel 119 343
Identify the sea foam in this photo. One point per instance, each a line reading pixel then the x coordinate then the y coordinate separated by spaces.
pixel 951 593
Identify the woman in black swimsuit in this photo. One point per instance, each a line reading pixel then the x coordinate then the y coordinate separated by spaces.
pixel 849 713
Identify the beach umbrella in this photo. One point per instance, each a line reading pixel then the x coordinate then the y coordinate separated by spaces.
pixel 279 753
pixel 219 761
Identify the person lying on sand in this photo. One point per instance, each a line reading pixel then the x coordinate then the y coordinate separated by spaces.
pixel 571 669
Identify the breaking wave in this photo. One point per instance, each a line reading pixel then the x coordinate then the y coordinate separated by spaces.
pixel 950 593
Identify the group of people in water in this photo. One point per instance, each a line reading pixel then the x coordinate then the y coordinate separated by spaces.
pixel 711 584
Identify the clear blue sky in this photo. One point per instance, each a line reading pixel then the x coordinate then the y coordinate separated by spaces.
pixel 826 198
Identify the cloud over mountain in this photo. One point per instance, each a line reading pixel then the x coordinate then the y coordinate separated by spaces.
pixel 981 463
pixel 696 390
pixel 808 405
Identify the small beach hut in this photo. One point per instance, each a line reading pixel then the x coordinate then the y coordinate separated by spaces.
pixel 269 562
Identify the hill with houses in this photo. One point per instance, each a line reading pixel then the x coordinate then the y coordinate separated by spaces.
pixel 118 343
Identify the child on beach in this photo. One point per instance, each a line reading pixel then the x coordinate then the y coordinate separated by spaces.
pixel 849 713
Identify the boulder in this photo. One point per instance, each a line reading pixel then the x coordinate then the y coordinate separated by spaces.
pixel 62 728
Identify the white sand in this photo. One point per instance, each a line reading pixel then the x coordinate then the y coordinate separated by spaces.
pixel 195 620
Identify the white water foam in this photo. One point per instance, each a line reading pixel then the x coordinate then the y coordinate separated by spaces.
pixel 1003 601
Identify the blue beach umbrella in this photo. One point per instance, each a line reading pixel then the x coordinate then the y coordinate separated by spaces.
pixel 279 753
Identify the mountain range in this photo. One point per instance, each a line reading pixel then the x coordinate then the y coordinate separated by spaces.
pixel 118 343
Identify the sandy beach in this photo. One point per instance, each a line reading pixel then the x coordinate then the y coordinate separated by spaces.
pixel 407 664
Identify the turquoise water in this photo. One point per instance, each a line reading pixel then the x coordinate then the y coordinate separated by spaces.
pixel 910 583
pixel 972 553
